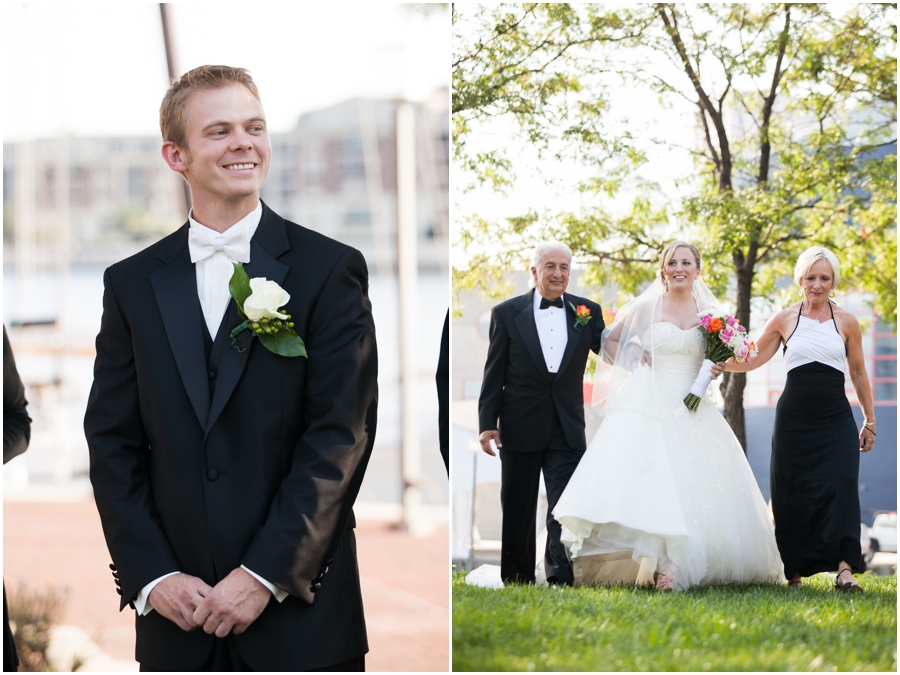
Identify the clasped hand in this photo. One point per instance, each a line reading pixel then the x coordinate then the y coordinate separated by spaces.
pixel 230 606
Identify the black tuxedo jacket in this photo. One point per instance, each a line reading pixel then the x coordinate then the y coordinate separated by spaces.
pixel 519 391
pixel 257 461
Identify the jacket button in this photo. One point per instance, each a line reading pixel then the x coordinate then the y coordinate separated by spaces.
pixel 212 375
pixel 212 474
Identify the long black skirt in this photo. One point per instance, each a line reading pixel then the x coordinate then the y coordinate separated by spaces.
pixel 815 473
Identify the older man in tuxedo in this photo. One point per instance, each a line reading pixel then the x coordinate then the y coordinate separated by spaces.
pixel 532 406
pixel 225 473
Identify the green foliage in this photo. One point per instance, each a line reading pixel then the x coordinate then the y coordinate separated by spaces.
pixel 529 64
pixel 791 102
pixel 726 628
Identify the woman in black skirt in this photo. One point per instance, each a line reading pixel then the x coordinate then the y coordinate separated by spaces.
pixel 815 443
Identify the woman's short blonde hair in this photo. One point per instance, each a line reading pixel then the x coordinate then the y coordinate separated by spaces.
pixel 669 252
pixel 808 258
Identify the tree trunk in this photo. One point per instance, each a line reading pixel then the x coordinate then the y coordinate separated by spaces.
pixel 733 387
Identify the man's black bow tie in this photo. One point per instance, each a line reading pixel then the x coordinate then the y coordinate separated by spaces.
pixel 545 303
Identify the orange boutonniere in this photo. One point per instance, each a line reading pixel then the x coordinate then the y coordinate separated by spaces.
pixel 582 315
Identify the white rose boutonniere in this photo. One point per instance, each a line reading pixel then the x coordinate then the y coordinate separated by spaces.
pixel 261 303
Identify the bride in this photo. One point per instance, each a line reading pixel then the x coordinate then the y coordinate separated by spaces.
pixel 663 494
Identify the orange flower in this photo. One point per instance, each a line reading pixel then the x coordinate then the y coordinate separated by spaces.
pixel 582 315
pixel 715 325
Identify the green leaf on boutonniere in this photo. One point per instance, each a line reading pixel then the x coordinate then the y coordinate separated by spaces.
pixel 239 287
pixel 284 343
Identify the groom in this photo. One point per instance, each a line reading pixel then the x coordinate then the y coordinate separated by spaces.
pixel 224 473
pixel 533 385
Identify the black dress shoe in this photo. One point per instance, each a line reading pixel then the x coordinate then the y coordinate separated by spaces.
pixel 553 581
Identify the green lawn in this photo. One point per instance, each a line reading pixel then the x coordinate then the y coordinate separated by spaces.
pixel 523 628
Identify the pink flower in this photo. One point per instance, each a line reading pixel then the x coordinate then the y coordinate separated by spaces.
pixel 730 320
pixel 705 320
pixel 726 334
pixel 741 353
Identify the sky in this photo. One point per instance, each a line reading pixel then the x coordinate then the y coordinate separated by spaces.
pixel 100 68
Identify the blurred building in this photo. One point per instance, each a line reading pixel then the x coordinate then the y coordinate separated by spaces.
pixel 91 199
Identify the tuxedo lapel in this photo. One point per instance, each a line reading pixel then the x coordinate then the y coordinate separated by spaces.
pixel 175 288
pixel 528 330
pixel 572 335
pixel 269 242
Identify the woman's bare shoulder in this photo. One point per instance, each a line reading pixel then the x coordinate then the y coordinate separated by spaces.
pixel 783 318
pixel 845 318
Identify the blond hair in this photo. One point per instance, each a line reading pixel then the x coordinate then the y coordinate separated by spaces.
pixel 808 258
pixel 669 252
pixel 173 114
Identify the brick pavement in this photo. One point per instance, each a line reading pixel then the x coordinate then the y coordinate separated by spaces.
pixel 405 582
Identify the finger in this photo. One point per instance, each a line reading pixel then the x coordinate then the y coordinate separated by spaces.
pixel 210 625
pixel 182 624
pixel 224 627
pixel 201 614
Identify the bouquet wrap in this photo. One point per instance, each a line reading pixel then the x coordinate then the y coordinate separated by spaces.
pixel 704 377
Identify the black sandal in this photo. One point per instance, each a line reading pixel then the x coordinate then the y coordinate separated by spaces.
pixel 849 587
pixel 795 583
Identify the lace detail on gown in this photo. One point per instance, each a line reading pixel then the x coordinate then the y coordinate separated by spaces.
pixel 661 485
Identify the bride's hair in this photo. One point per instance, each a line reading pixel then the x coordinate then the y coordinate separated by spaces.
pixel 669 252
pixel 810 256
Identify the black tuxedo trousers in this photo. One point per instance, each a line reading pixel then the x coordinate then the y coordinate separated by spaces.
pixel 248 458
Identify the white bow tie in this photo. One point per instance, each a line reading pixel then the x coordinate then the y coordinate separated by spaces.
pixel 203 242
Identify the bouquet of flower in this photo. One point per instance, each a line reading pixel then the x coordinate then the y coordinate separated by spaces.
pixel 725 339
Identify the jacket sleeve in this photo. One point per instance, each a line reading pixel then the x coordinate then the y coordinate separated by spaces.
pixel 494 374
pixel 313 503
pixel 16 422
pixel 118 458
pixel 598 327
pixel 442 380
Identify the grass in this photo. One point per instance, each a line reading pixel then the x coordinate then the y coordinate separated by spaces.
pixel 756 628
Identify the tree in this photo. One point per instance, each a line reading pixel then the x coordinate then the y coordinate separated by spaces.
pixel 795 122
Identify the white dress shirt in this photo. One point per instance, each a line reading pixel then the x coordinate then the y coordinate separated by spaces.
pixel 213 275
pixel 552 332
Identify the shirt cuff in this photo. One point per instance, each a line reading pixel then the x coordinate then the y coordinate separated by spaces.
pixel 142 601
pixel 279 593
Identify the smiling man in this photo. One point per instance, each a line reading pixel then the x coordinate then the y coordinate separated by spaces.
pixel 531 406
pixel 225 473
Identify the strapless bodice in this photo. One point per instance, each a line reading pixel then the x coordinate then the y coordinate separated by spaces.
pixel 677 353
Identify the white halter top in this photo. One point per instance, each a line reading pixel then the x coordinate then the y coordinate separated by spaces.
pixel 812 341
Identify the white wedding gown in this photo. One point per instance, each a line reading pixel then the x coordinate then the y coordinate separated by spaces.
pixel 660 485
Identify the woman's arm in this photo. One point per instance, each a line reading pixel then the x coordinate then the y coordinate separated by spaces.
pixel 856 365
pixel 767 344
pixel 611 344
